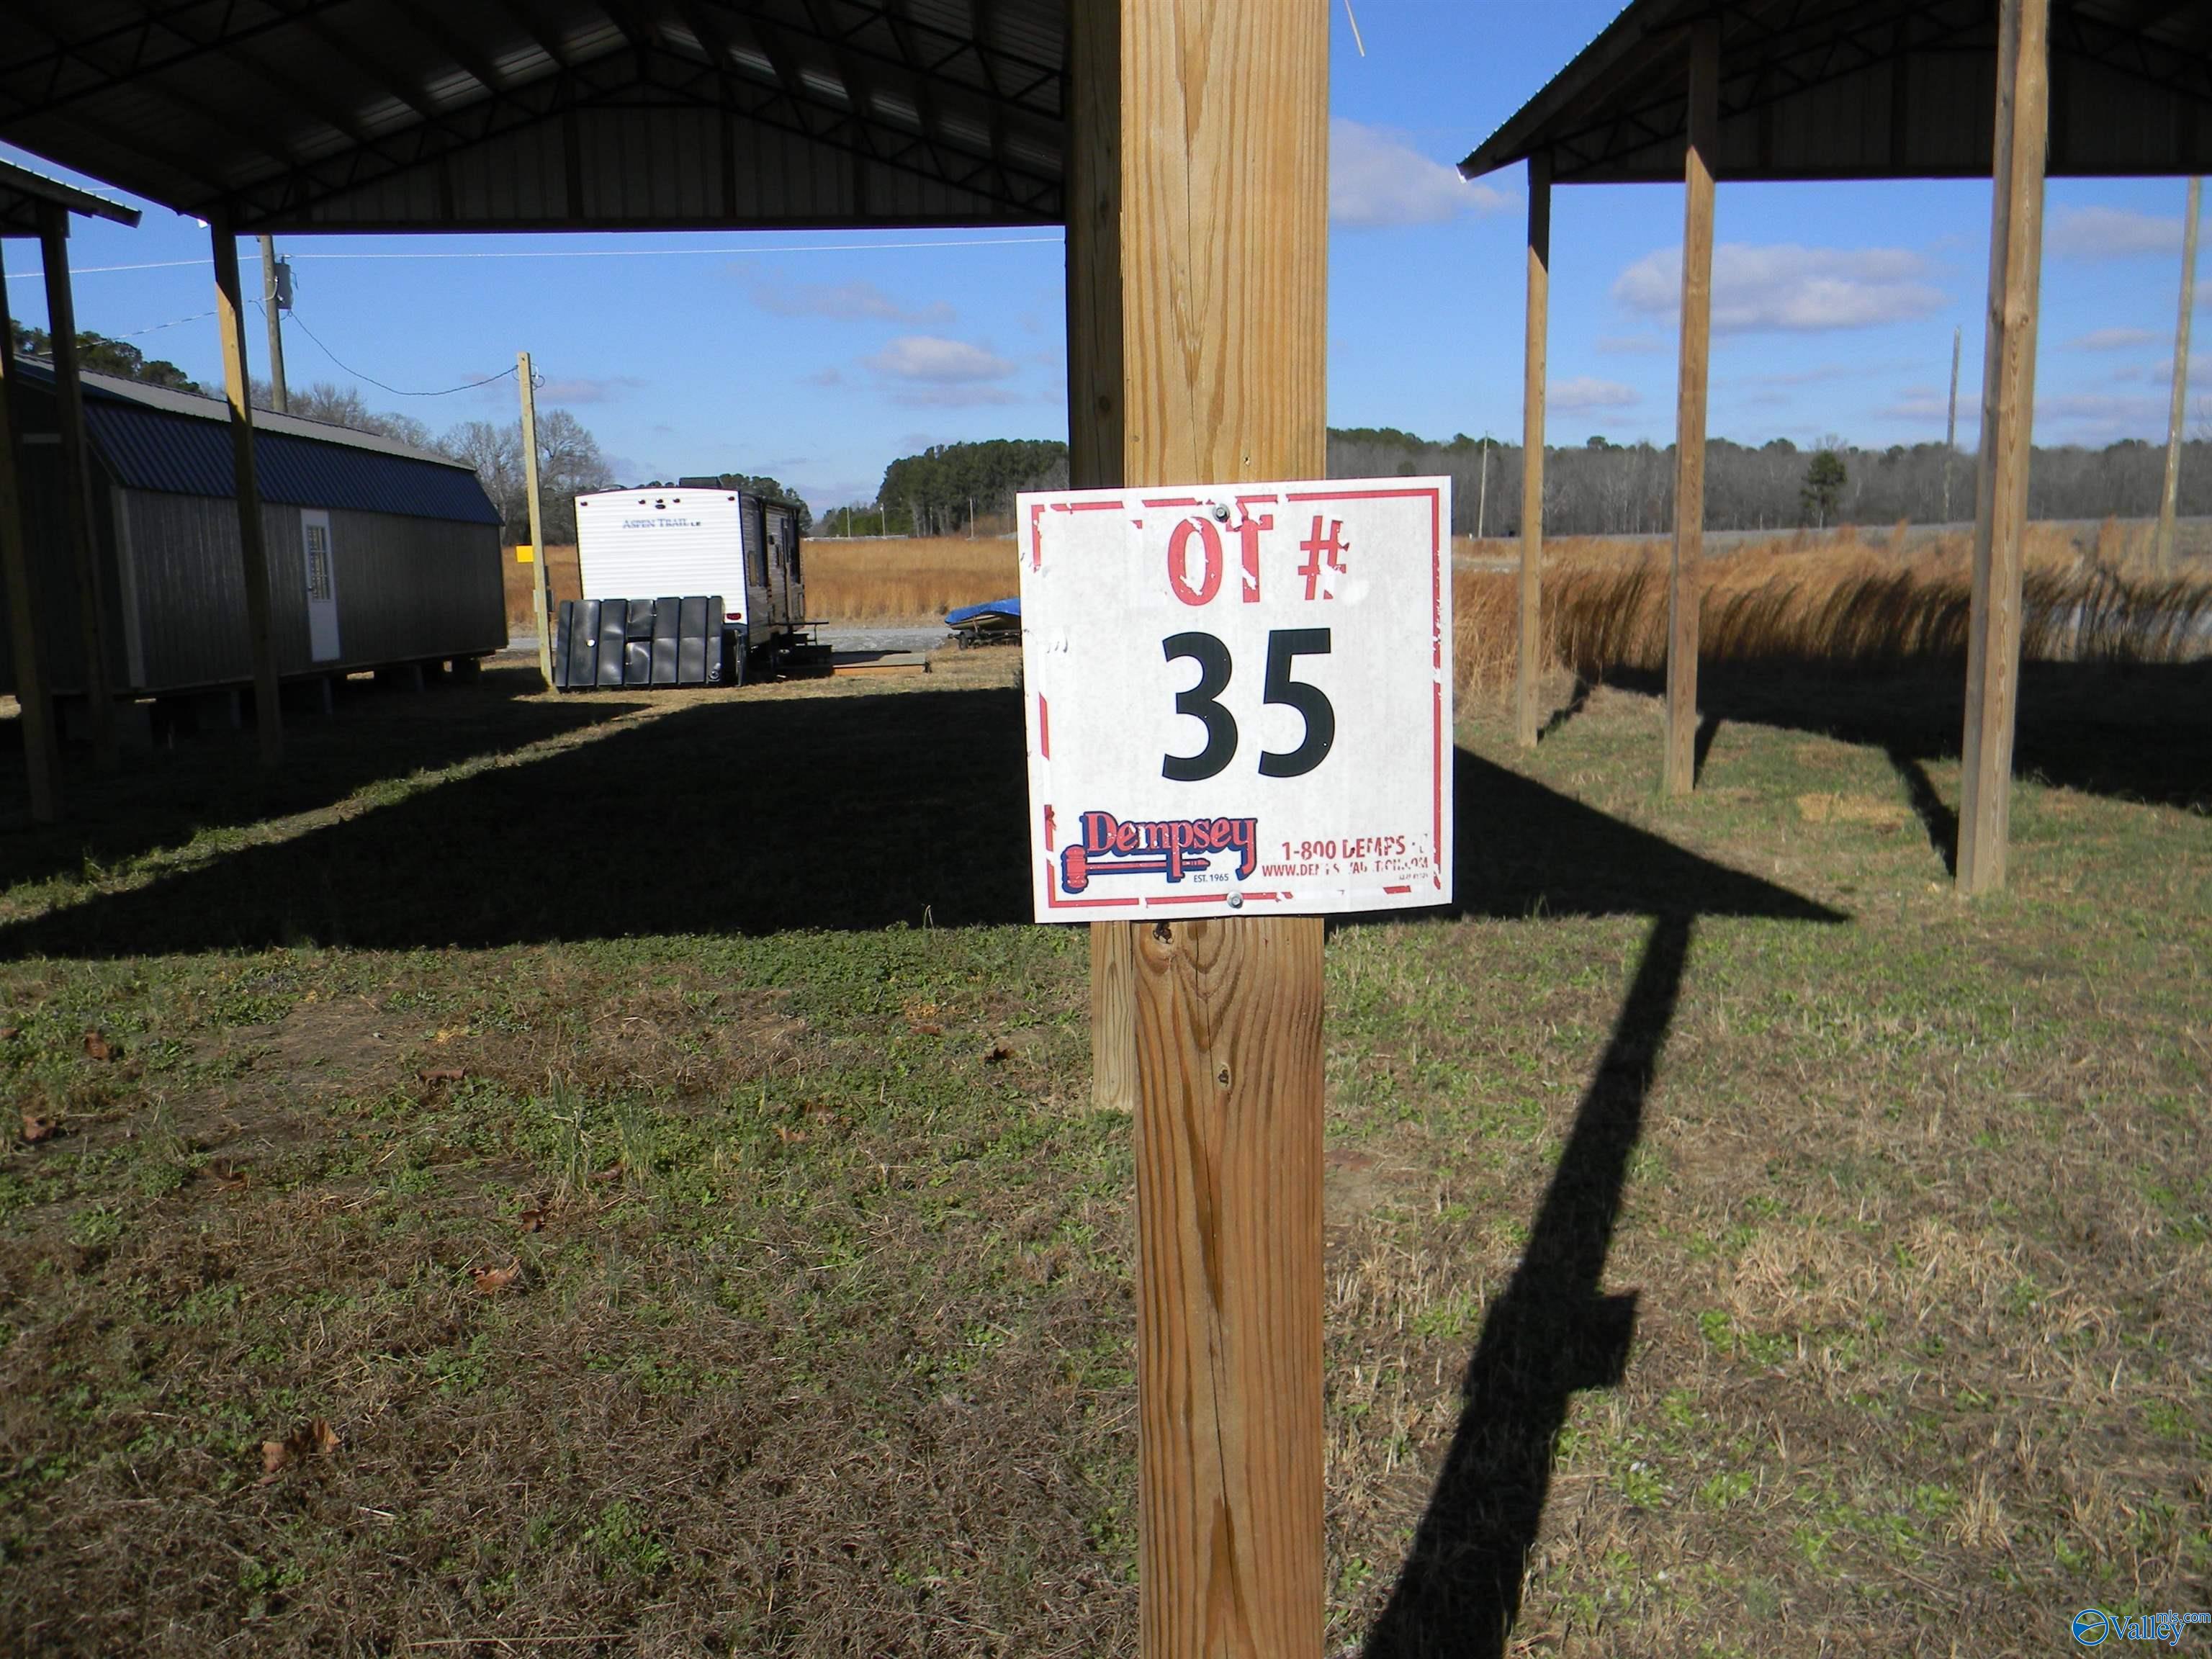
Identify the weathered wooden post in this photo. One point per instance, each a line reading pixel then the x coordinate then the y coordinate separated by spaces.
pixel 37 717
pixel 76 480
pixel 541 603
pixel 1698 155
pixel 1530 630
pixel 230 314
pixel 2169 497
pixel 2007 407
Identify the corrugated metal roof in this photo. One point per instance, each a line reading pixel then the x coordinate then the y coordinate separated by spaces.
pixel 1870 89
pixel 21 190
pixel 151 437
pixel 398 115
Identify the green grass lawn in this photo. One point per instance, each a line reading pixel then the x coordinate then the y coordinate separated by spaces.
pixel 647 1134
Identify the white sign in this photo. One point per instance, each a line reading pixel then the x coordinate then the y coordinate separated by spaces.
pixel 1239 698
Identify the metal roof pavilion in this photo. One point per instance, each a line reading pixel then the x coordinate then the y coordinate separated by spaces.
pixel 21 190
pixel 448 115
pixel 1868 89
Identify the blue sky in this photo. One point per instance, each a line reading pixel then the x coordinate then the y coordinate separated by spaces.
pixel 819 358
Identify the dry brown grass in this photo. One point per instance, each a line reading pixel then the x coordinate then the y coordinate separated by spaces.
pixel 1832 599
pixel 914 578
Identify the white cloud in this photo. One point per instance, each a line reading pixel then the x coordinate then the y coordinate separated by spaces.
pixel 927 371
pixel 848 300
pixel 1588 391
pixel 2111 339
pixel 1377 179
pixel 2110 232
pixel 933 360
pixel 2100 416
pixel 1630 345
pixel 586 389
pixel 1785 287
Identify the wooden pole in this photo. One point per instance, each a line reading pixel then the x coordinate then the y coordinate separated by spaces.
pixel 1094 436
pixel 1530 630
pixel 2170 498
pixel 1224 236
pixel 36 717
pixel 1951 424
pixel 1681 764
pixel 76 481
pixel 279 399
pixel 541 604
pixel 2008 426
pixel 230 315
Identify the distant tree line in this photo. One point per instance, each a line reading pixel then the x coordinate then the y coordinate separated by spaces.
pixel 948 488
pixel 1601 487
pixel 98 355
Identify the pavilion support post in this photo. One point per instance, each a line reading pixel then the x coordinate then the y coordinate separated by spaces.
pixel 1681 762
pixel 1224 172
pixel 541 604
pixel 1094 436
pixel 36 716
pixel 1530 630
pixel 76 481
pixel 268 718
pixel 2169 498
pixel 2007 406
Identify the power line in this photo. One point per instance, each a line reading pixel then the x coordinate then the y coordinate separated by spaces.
pixel 592 253
pixel 397 392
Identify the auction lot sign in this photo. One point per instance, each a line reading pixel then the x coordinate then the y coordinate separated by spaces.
pixel 1239 698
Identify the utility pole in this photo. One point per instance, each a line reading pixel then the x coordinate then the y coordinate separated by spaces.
pixel 276 300
pixel 1482 490
pixel 540 604
pixel 1951 427
pixel 2163 560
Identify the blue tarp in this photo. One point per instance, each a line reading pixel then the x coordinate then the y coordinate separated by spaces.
pixel 968 613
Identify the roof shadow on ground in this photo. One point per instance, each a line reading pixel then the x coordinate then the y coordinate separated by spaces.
pixel 769 815
pixel 214 779
pixel 2131 731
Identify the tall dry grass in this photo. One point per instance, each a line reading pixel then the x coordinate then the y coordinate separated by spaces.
pixel 908 579
pixel 1831 600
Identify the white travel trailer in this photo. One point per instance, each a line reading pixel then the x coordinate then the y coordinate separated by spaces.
pixel 640 544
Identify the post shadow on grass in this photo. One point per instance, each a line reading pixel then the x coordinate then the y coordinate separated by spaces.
pixel 1936 815
pixel 212 778
pixel 1709 727
pixel 1552 1332
pixel 1576 702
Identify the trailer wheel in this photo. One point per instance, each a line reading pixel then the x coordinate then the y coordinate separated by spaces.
pixel 734 648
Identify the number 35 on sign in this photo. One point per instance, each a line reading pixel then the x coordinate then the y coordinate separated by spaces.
pixel 1239 698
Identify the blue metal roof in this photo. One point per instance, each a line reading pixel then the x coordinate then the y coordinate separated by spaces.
pixel 179 442
pixel 184 455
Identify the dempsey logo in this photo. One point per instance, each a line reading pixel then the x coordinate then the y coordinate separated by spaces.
pixel 1173 847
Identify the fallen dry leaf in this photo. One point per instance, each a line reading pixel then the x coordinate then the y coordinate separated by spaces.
pixel 997 1054
pixel 929 1028
pixel 96 1047
pixel 312 1439
pixel 491 1281
pixel 613 1172
pixel 9 1033
pixel 230 1177
pixel 443 1074
pixel 37 1128
pixel 530 1220
pixel 786 1134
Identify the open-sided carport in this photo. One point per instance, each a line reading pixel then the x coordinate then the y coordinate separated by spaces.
pixel 1795 90
pixel 1184 146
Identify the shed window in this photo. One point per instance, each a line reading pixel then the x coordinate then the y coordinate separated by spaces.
pixel 319 563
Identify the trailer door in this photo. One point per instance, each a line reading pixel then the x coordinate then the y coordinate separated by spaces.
pixel 322 585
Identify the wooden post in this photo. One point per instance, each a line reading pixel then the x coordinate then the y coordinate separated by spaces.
pixel 541 602
pixel 1530 630
pixel 76 480
pixel 1094 436
pixel 230 316
pixel 2007 406
pixel 1951 425
pixel 37 715
pixel 2167 500
pixel 1681 765
pixel 1224 268
pixel 279 398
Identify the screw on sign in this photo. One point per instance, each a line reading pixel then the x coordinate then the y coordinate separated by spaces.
pixel 1239 698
